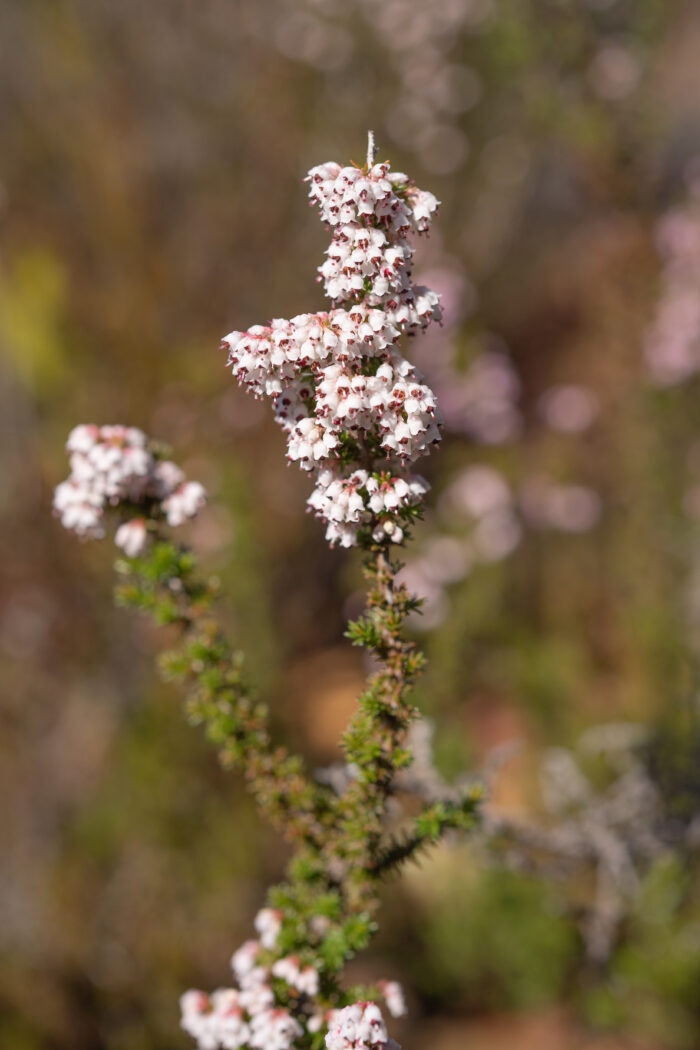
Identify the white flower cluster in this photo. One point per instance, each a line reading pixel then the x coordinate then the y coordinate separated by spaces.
pixel 359 1027
pixel 348 194
pixel 248 1016
pixel 224 1020
pixel 369 258
pixel 393 401
pixel 113 466
pixel 347 503
pixel 341 389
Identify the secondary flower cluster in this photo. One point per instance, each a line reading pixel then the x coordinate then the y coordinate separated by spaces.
pixel 113 466
pixel 341 389
pixel 250 1018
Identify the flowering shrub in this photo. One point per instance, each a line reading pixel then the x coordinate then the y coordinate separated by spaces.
pixel 356 414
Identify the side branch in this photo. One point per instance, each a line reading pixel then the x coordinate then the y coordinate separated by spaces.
pixel 428 829
pixel 162 583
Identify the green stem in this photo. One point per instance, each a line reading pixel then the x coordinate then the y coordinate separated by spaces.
pixel 376 737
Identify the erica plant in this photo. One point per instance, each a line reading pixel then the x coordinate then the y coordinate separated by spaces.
pixel 357 415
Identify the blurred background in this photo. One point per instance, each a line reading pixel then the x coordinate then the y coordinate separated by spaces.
pixel 151 199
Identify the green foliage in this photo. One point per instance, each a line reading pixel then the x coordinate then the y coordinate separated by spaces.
pixel 342 942
pixel 364 632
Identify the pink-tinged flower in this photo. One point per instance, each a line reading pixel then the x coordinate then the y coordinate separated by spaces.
pixel 132 537
pixel 184 502
pixel 359 1027
pixel 268 923
pixel 394 997
pixel 244 960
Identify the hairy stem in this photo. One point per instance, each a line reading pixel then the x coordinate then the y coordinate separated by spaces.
pixel 375 742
